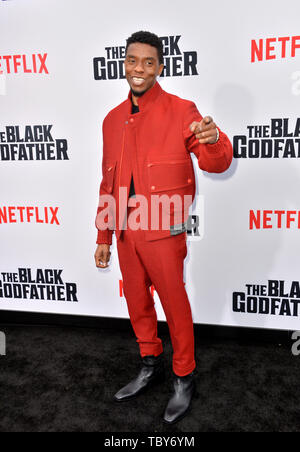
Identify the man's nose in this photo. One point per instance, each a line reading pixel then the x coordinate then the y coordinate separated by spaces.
pixel 139 67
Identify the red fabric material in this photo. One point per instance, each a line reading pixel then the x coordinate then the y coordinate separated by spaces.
pixel 160 263
pixel 155 145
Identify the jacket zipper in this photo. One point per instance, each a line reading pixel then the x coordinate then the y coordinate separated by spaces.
pixel 122 151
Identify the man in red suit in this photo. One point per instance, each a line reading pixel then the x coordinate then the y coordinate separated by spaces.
pixel 147 141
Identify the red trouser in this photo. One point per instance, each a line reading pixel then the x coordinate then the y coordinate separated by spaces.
pixel 158 262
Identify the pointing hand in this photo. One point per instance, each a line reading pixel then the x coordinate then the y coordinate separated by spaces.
pixel 205 130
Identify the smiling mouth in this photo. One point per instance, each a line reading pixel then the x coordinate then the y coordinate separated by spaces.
pixel 137 81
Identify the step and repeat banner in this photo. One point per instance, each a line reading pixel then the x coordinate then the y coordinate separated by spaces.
pixel 61 71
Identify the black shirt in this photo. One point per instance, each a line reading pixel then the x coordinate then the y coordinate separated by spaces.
pixel 135 109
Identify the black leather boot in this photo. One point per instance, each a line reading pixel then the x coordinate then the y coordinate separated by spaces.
pixel 152 372
pixel 180 402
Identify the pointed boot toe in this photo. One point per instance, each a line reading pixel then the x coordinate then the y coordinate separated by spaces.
pixel 180 402
pixel 151 373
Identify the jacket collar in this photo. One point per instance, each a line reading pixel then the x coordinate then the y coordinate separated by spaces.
pixel 147 99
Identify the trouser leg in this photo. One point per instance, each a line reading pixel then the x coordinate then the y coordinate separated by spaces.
pixel 164 262
pixel 140 302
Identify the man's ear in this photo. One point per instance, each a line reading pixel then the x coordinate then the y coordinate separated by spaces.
pixel 161 68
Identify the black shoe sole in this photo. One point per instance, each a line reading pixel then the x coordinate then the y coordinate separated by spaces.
pixel 152 383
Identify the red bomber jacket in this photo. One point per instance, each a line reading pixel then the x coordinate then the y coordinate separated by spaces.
pixel 154 145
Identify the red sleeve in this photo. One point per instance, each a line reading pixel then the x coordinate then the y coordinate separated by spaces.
pixel 104 235
pixel 213 158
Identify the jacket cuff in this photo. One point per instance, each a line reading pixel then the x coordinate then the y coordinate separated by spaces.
pixel 104 237
pixel 215 148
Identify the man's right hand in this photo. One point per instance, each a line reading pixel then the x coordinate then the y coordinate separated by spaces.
pixel 102 255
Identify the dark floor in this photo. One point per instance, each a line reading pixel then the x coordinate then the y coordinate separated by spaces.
pixel 62 379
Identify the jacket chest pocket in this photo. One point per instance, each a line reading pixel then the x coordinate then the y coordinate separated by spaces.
pixel 170 175
pixel 109 177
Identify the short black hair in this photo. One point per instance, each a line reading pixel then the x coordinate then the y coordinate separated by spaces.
pixel 145 37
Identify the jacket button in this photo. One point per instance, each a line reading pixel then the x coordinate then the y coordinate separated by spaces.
pixel 109 169
pixel 189 181
pixel 131 120
pixel 153 187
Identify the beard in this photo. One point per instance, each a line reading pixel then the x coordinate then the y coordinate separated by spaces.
pixel 137 93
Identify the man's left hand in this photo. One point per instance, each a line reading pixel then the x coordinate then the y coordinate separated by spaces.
pixel 205 130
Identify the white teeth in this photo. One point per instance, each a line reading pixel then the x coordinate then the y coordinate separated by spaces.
pixel 137 80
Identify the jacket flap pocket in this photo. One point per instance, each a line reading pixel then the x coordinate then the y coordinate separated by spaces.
pixel 170 175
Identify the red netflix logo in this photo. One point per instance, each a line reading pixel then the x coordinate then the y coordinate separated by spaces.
pixel 26 64
pixel 121 289
pixel 274 48
pixel 274 219
pixel 45 215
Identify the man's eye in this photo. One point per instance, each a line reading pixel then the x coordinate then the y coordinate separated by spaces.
pixel 149 63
